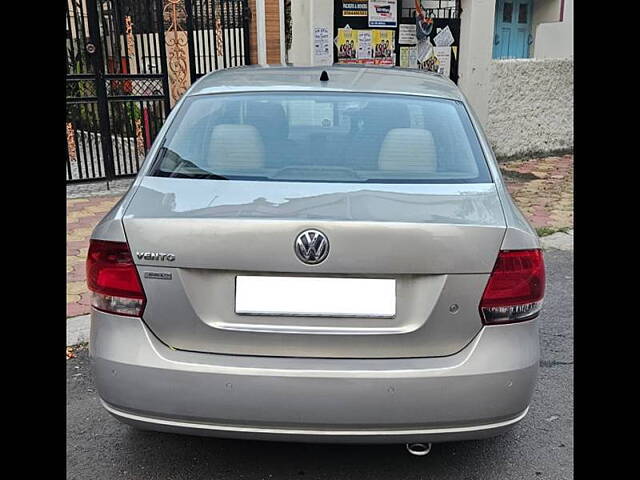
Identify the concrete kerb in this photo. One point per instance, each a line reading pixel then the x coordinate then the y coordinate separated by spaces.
pixel 99 188
pixel 558 240
pixel 78 329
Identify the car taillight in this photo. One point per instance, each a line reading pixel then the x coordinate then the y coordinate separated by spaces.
pixel 113 279
pixel 515 289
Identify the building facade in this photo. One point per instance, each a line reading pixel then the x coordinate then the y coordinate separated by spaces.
pixel 513 59
pixel 516 69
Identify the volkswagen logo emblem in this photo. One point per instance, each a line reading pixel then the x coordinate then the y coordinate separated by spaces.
pixel 311 246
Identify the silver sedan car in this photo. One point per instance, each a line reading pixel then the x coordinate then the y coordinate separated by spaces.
pixel 318 254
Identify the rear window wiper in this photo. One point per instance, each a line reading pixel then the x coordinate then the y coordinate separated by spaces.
pixel 171 164
pixel 203 174
pixel 192 170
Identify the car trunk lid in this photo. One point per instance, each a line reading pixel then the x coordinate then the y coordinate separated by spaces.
pixel 437 242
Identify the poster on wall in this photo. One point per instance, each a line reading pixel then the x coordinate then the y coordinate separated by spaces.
pixel 424 49
pixel 443 54
pixel 383 13
pixel 364 45
pixel 322 52
pixel 354 9
pixel 407 34
pixel 409 57
pixel 347 44
pixel 438 60
pixel 383 47
pixel 372 47
pixel 444 38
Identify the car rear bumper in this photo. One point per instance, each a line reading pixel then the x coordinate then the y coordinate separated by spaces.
pixel 481 391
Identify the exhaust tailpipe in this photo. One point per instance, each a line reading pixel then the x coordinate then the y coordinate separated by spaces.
pixel 419 449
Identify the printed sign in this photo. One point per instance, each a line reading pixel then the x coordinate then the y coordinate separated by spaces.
pixel 374 47
pixel 347 45
pixel 354 9
pixel 424 49
pixel 438 60
pixel 443 54
pixel 383 47
pixel 383 13
pixel 444 38
pixel 365 50
pixel 407 34
pixel 408 57
pixel 321 46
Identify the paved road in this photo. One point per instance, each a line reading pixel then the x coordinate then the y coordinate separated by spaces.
pixel 541 447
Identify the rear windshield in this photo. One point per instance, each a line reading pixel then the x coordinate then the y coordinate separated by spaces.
pixel 322 137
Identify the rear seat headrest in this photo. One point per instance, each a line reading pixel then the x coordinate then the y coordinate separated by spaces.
pixel 269 118
pixel 235 146
pixel 408 149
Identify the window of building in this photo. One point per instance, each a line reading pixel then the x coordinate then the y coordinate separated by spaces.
pixel 512 33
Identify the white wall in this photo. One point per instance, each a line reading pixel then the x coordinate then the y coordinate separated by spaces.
pixel 476 48
pixel 530 107
pixel 555 40
pixel 545 11
pixel 305 16
pixel 525 106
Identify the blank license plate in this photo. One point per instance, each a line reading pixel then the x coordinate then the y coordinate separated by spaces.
pixel 316 296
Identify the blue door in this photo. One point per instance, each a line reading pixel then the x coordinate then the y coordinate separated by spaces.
pixel 512 33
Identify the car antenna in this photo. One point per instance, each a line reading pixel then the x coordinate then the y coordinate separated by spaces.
pixel 324 76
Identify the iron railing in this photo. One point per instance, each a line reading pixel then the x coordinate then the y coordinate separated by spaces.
pixel 118 90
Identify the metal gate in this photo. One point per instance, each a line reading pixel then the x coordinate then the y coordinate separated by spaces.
pixel 444 13
pixel 127 63
pixel 220 35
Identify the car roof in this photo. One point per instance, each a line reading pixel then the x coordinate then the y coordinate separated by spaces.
pixel 343 78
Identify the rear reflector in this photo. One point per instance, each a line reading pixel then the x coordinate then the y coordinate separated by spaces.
pixel 113 279
pixel 515 289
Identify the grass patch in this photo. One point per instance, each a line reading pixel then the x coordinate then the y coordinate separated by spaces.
pixel 514 175
pixel 534 155
pixel 546 231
